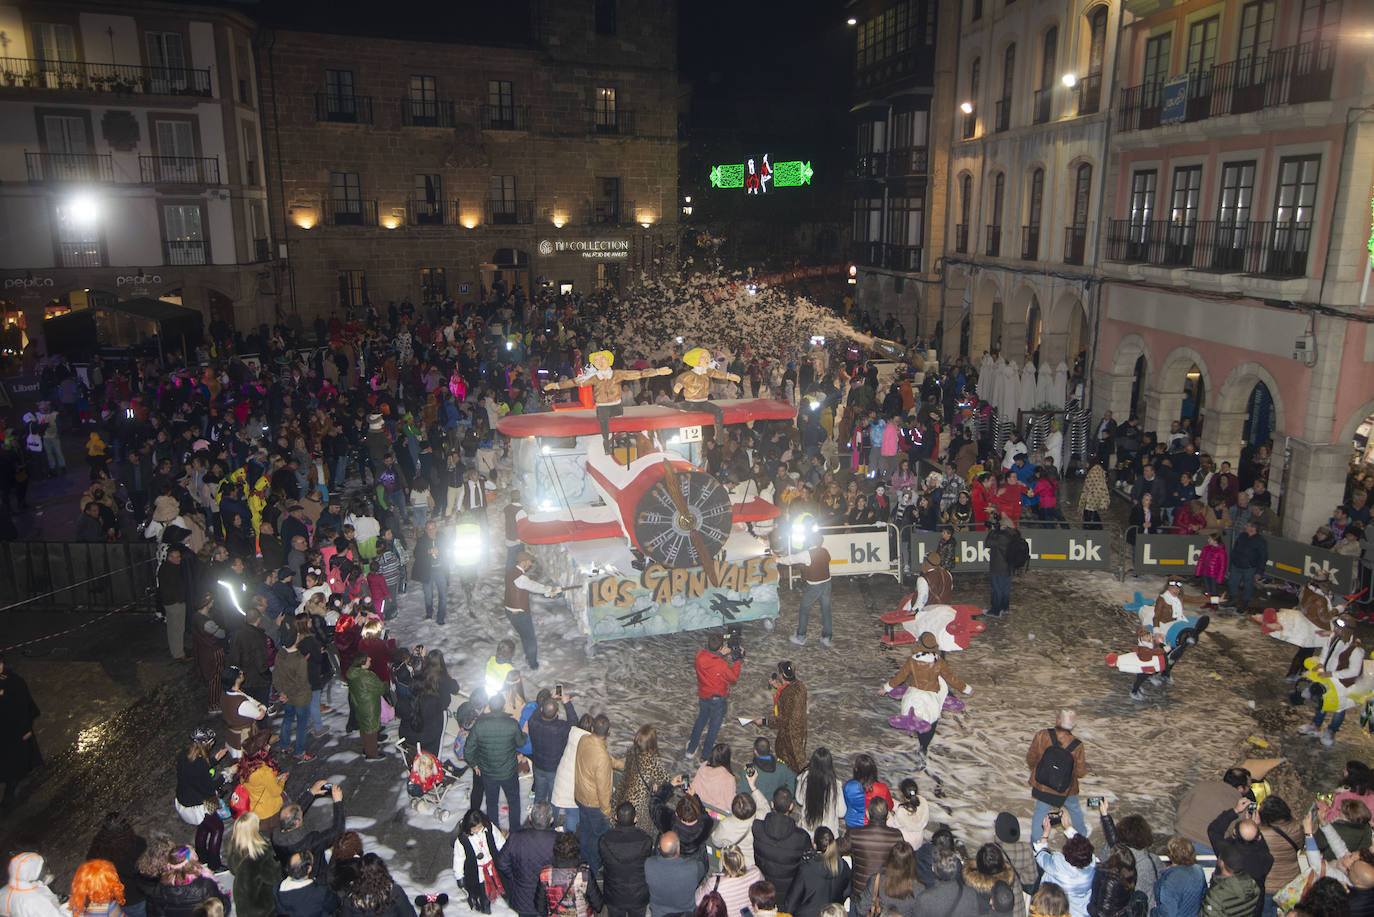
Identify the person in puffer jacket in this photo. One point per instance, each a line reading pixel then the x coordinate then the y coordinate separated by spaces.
pixel 1232 892
pixel 1072 869
pixel 1113 890
pixel 26 895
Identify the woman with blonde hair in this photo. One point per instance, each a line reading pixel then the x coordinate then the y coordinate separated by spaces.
pixel 732 882
pixel 642 775
pixel 1050 901
pixel 96 890
pixel 257 872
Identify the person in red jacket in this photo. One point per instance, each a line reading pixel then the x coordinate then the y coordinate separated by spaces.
pixel 983 496
pixel 715 674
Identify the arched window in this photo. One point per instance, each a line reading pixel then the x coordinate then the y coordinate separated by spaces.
pixel 965 208
pixel 999 193
pixel 1008 82
pixel 1097 40
pixel 1076 235
pixel 1049 57
pixel 1036 204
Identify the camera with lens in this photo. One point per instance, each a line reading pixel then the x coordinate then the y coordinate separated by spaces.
pixel 734 639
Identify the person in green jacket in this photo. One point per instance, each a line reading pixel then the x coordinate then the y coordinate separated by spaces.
pixel 365 691
pixel 257 872
pixel 1232 892
pixel 491 748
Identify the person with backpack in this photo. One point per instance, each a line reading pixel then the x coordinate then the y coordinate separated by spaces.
pixel 1056 760
pixel 1007 551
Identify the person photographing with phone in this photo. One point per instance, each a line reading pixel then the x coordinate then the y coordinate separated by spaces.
pixel 1072 867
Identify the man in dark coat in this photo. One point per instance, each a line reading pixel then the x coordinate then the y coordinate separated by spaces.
pixel 779 844
pixel 18 746
pixel 999 567
pixel 869 844
pixel 548 738
pixel 624 849
pixel 248 649
pixel 948 896
pixel 291 836
pixel 527 851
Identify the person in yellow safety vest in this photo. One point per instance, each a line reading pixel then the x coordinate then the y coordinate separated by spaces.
pixel 498 666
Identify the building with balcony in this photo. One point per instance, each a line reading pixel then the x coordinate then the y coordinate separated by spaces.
pixel 420 168
pixel 130 162
pixel 1234 257
pixel 1024 184
pixel 904 49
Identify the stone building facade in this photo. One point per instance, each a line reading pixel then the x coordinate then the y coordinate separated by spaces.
pixel 419 169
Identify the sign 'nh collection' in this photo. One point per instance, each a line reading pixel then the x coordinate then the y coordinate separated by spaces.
pixel 587 248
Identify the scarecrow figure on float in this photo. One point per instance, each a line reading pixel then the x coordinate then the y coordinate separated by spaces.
pixel 695 385
pixel 606 387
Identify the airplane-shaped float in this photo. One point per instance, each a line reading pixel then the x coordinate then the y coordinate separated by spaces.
pixel 648 541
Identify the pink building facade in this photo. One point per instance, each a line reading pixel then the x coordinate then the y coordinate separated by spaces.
pixel 1235 256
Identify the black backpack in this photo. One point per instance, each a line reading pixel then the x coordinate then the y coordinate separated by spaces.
pixel 1018 551
pixel 1056 766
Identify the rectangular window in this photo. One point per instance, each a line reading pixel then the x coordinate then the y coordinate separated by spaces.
pixel 1157 51
pixel 423 100
pixel 1144 186
pixel 65 136
pixel 604 109
pixel 54 43
pixel 1202 45
pixel 185 239
pixel 977 10
pixel 167 58
pixel 605 17
pixel 244 73
pixel 341 102
pixel 262 247
pixel 78 237
pixel 1037 199
pixel 1297 189
pixel 1186 195
pixel 250 154
pixel 427 199
pixel 1256 31
pixel 501 102
pixel 1233 215
pixel 346 198
pixel 1286 247
pixel 433 284
pixel 608 277
pixel 607 208
pixel 352 290
pixel 176 152
pixel 1319 20
pixel 1237 192
pixel 503 203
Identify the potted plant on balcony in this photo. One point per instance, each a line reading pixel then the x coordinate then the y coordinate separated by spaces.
pixel 11 77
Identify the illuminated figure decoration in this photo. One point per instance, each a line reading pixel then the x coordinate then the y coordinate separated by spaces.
pixel 755 179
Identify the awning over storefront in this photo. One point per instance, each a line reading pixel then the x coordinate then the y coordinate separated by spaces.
pixel 124 323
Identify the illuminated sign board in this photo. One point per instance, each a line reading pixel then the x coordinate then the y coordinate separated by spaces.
pixel 587 248
pixel 759 175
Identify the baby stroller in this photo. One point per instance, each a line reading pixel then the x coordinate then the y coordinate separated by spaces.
pixel 426 781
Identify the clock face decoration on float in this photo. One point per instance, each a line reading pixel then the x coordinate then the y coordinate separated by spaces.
pixel 683 520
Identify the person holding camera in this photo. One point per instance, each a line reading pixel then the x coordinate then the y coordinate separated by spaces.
pixel 717 668
pixel 291 837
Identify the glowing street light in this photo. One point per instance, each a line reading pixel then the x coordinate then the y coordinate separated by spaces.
pixel 966 107
pixel 84 209
pixel 851 21
pixel 1070 80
